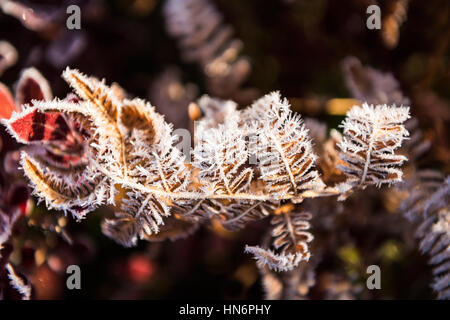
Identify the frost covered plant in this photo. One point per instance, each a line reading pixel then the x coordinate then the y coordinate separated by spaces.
pixel 246 164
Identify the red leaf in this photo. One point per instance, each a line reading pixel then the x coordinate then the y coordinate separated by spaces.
pixel 32 125
pixel 64 160
pixel 32 86
pixel 6 102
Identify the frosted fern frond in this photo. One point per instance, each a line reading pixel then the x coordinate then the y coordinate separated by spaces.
pixel 126 228
pixel 375 87
pixel 102 107
pixel 104 99
pixel 289 239
pixel 222 158
pixel 371 136
pixel 290 233
pixel 276 262
pixel 94 113
pixel 284 150
pixel 195 32
pixel 239 214
pixel 153 161
pixel 150 149
pixel 125 138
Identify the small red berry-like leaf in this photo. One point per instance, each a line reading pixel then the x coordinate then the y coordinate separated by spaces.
pixel 6 102
pixel 32 86
pixel 31 125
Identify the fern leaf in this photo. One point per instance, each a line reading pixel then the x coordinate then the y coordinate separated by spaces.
pixel 276 262
pixel 290 233
pixel 371 135
pixel 139 218
pixel 222 159
pixel 290 240
pixel 153 161
pixel 284 150
pixel 102 97
pixel 375 87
